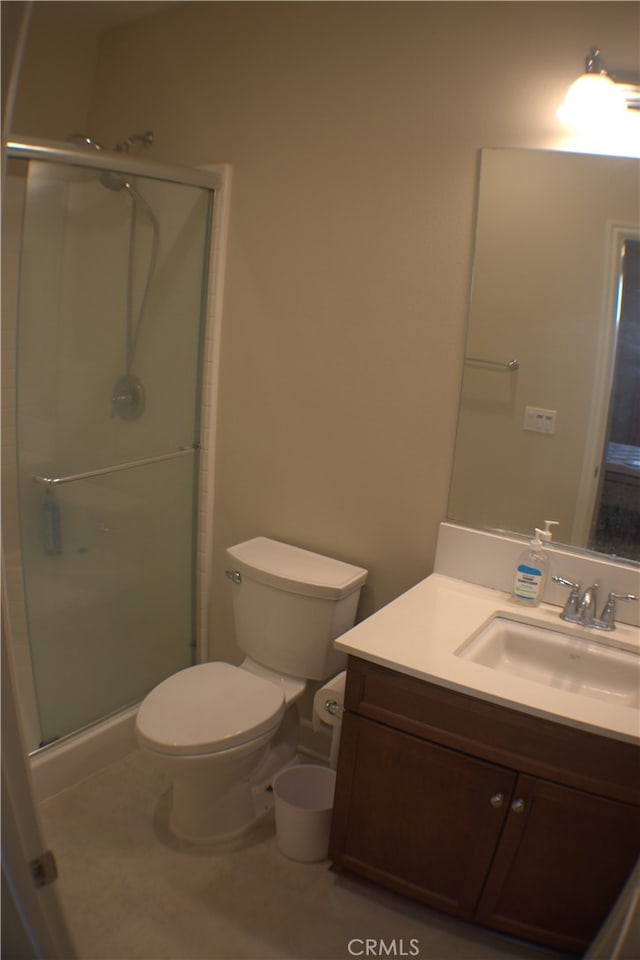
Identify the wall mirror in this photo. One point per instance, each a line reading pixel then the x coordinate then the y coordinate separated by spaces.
pixel 549 421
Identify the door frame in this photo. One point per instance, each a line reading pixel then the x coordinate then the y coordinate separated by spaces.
pixel 604 369
pixel 32 914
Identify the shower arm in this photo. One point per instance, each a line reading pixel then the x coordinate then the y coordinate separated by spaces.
pixel 124 146
pixel 144 139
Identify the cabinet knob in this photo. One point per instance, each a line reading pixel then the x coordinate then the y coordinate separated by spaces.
pixel 518 805
pixel 497 800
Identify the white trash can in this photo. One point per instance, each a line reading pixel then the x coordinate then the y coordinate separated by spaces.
pixel 303 801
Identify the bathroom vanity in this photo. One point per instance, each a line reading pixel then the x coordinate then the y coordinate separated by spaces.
pixel 492 795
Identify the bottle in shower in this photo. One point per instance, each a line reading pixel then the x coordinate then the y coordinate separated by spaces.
pixel 51 531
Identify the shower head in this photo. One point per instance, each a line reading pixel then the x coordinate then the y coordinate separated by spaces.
pixel 114 181
pixel 117 181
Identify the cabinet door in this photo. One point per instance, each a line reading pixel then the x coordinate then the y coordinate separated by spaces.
pixel 562 860
pixel 419 818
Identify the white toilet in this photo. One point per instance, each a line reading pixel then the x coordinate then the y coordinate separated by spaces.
pixel 221 732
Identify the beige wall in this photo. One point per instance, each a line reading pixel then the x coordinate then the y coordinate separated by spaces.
pixel 353 130
pixel 53 92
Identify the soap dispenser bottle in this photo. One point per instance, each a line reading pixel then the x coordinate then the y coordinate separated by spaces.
pixel 532 568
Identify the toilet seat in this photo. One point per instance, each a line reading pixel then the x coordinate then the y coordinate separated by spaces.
pixel 208 708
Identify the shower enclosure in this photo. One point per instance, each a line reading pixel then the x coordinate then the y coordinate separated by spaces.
pixel 111 292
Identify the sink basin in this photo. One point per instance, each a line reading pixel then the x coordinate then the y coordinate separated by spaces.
pixel 556 659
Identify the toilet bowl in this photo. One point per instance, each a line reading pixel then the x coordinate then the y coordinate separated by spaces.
pixel 210 728
pixel 221 732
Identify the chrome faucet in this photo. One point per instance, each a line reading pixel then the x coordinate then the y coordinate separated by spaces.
pixel 581 608
pixel 587 606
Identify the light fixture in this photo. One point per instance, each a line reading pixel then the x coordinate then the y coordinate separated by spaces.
pixel 598 98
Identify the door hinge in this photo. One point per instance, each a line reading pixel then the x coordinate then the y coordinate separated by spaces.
pixel 44 869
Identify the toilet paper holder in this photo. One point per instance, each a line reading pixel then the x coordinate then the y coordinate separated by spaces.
pixel 334 708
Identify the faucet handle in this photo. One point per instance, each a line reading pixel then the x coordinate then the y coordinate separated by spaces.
pixel 570 611
pixel 607 619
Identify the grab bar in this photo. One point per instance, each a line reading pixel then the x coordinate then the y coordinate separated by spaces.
pixel 508 364
pixel 115 468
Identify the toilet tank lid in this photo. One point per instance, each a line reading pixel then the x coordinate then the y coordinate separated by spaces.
pixel 294 569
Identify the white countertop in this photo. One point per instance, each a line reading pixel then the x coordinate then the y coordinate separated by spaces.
pixel 418 633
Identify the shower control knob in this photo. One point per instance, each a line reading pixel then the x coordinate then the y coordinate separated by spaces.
pixel 233 575
pixel 128 398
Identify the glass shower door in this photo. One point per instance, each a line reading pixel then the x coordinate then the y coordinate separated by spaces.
pixel 112 289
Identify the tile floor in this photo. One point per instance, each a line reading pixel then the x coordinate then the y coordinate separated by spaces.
pixel 132 892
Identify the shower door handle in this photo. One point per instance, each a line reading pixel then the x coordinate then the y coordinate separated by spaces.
pixel 115 468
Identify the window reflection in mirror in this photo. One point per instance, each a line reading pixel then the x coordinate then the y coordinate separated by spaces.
pixel 531 441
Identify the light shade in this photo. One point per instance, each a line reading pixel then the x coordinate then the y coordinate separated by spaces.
pixel 593 100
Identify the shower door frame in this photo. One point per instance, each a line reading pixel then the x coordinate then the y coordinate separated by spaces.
pixel 217 179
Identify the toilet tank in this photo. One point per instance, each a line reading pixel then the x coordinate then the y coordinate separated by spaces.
pixel 290 605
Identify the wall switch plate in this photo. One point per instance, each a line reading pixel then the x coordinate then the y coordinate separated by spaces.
pixel 539 420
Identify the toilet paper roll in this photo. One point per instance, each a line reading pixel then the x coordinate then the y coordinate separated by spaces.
pixel 328 703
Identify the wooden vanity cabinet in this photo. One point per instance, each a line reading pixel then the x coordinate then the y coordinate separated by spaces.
pixel 496 816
